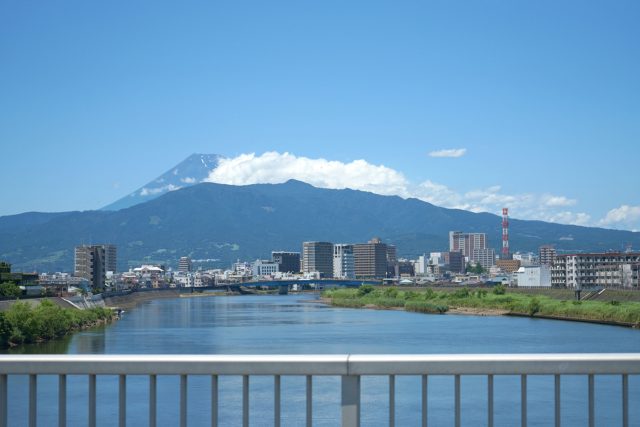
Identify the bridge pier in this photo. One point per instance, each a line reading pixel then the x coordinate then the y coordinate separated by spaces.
pixel 283 289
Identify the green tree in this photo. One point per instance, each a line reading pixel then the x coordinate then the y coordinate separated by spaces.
pixel 9 289
pixel 499 289
pixel 475 269
pixel 364 290
pixel 534 306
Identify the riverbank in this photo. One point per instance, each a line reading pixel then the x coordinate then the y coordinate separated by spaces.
pixel 497 301
pixel 23 323
pixel 130 300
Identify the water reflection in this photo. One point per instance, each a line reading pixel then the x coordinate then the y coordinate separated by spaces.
pixel 297 324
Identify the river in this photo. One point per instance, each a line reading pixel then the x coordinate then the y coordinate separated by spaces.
pixel 298 324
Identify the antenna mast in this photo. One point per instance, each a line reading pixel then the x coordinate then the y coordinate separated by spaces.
pixel 505 233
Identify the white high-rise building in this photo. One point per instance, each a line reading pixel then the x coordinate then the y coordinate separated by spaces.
pixel 343 262
pixel 184 264
pixel 420 264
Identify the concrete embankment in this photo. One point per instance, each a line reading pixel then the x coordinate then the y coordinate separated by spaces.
pixel 121 299
pixel 61 302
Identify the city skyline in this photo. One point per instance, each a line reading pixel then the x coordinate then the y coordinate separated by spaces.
pixel 530 106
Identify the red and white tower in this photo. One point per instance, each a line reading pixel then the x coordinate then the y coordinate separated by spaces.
pixel 505 233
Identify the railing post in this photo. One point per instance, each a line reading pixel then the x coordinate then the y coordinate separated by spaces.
pixel 245 401
pixel 350 401
pixel 392 400
pixel 557 400
pixel 309 401
pixel 214 401
pixel 276 401
pixel 4 417
pixel 62 400
pixel 425 384
pixel 523 400
pixel 153 400
pixel 183 400
pixel 122 397
pixel 457 399
pixel 92 401
pixel 592 405
pixel 33 400
pixel 490 400
pixel 625 400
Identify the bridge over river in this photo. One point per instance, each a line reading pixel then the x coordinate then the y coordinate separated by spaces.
pixel 285 285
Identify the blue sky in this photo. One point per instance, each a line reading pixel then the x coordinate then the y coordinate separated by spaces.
pixel 98 98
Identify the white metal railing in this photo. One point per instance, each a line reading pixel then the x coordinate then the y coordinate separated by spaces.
pixel 349 367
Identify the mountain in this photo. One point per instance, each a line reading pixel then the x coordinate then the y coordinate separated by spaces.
pixel 190 171
pixel 218 224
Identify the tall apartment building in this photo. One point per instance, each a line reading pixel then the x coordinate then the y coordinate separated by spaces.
pixel 343 262
pixel 184 265
pixel 288 262
pixel 318 256
pixel 93 261
pixel 466 242
pixel 110 257
pixel 392 255
pixel 613 269
pixel 546 254
pixel 371 259
pixel 485 257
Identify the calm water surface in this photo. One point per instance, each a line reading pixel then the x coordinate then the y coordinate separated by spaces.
pixel 298 324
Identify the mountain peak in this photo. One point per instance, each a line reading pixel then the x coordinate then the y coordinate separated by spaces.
pixel 192 170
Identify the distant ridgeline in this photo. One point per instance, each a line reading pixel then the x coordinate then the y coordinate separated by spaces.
pixel 217 224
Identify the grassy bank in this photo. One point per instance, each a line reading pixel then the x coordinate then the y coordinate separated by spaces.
pixel 24 324
pixel 431 301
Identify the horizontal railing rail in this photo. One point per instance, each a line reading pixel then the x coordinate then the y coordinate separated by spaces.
pixel 349 367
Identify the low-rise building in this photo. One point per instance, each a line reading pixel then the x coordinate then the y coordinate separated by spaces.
pixel 526 259
pixel 288 262
pixel 60 283
pixel 261 267
pixel 508 265
pixel 533 276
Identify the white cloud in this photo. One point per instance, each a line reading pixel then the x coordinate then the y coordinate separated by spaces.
pixel 566 217
pixel 452 152
pixel 153 191
pixel 525 205
pixel 624 216
pixel 438 194
pixel 273 168
pixel 188 180
pixel 558 201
